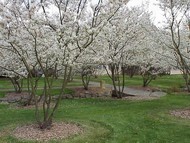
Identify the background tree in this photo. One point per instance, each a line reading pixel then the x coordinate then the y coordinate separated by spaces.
pixel 150 56
pixel 122 42
pixel 176 16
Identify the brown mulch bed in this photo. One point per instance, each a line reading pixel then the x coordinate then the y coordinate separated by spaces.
pixel 182 113
pixel 14 97
pixel 93 91
pixel 58 131
pixel 18 98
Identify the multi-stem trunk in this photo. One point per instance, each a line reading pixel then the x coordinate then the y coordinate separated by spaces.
pixel 85 81
pixel 50 107
pixel 17 84
pixel 176 42
pixel 147 78
pixel 118 85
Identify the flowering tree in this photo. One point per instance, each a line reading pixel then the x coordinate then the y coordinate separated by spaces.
pixel 150 57
pixel 121 42
pixel 177 33
pixel 50 34
pixel 87 66
pixel 11 68
pixel 151 62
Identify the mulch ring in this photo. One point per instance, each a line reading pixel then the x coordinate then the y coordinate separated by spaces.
pixel 182 113
pixel 58 131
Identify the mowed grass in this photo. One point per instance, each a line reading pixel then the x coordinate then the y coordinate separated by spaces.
pixel 5 83
pixel 111 121
pixel 165 82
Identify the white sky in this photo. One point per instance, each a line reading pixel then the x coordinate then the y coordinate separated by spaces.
pixel 157 14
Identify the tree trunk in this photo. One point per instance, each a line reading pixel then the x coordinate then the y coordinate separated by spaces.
pixel 85 81
pixel 118 91
pixel 16 84
pixel 46 124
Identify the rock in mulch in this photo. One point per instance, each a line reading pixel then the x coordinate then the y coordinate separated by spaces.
pixel 58 131
pixel 182 113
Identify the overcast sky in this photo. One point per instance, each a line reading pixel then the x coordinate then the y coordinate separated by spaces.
pixel 157 14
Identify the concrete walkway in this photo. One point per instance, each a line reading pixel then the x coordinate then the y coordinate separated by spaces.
pixel 127 90
pixel 132 91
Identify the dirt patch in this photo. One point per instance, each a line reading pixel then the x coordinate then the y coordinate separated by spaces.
pixel 182 113
pixel 58 131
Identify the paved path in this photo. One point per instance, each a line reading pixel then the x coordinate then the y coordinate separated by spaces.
pixel 132 91
pixel 127 90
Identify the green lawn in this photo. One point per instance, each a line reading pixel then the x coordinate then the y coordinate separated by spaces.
pixel 164 82
pixel 6 83
pixel 112 121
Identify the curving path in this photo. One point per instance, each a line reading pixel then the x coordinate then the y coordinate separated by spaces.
pixel 133 91
pixel 127 90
